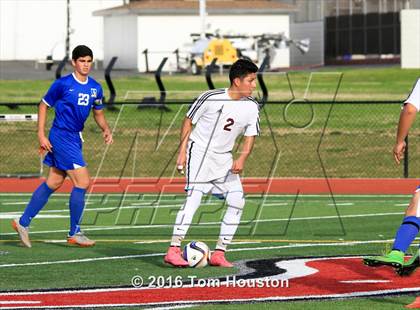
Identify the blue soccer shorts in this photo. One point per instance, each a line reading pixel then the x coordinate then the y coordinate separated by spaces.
pixel 66 150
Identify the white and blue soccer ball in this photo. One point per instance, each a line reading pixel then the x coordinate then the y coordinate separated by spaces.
pixel 197 254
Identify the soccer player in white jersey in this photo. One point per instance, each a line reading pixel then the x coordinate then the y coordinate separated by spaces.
pixel 219 117
pixel 411 222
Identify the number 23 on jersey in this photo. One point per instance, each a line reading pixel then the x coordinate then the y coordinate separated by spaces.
pixel 83 99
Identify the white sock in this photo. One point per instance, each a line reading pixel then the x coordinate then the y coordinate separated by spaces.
pixel 229 226
pixel 185 216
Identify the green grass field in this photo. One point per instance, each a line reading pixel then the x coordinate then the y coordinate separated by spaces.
pixel 132 238
pixel 357 140
pixel 369 83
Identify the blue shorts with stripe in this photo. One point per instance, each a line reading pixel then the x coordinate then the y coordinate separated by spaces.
pixel 66 150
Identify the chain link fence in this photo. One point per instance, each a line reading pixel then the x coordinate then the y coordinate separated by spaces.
pixel 308 140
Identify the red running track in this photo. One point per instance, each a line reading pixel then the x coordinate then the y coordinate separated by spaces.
pixel 251 185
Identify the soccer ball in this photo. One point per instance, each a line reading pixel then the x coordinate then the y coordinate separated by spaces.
pixel 197 254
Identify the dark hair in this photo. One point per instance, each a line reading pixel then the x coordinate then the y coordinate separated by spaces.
pixel 241 68
pixel 81 51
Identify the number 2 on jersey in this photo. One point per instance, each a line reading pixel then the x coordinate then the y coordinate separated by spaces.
pixel 229 123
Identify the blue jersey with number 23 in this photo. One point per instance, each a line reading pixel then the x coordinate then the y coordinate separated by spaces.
pixel 72 101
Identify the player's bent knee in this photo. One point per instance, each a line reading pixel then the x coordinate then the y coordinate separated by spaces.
pixel 82 184
pixel 236 199
pixel 54 185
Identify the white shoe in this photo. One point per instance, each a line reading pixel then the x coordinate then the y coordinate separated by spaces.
pixel 23 233
pixel 80 239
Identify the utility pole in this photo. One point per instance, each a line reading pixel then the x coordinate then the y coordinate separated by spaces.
pixel 203 18
pixel 68 30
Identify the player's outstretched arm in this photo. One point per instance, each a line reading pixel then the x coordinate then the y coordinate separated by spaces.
pixel 99 117
pixel 44 143
pixel 183 143
pixel 238 164
pixel 407 117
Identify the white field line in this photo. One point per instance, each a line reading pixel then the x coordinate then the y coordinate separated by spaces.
pixel 90 201
pixel 168 307
pixel 41 216
pixel 341 204
pixel 328 195
pixel 270 203
pixel 276 204
pixel 106 258
pixel 148 206
pixel 151 241
pixel 166 241
pixel 245 242
pixel 134 200
pixel 25 203
pixel 82 260
pixel 14 203
pixel 216 223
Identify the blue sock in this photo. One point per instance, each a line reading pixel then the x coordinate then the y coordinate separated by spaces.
pixel 406 233
pixel 38 201
pixel 77 205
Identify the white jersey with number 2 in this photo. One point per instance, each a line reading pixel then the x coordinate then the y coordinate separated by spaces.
pixel 219 120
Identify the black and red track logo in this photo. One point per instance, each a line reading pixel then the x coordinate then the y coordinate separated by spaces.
pixel 306 278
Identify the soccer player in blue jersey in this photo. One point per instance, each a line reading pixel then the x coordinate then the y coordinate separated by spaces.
pixel 410 225
pixel 72 97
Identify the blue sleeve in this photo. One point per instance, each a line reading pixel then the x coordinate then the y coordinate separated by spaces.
pixel 53 94
pixel 98 102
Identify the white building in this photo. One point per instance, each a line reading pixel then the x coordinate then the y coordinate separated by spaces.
pixel 33 29
pixel 163 26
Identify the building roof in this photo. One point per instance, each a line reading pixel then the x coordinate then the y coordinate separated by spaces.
pixel 191 7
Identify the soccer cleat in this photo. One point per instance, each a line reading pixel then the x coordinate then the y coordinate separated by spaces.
pixel 415 304
pixel 410 266
pixel 218 259
pixel 394 258
pixel 80 239
pixel 23 233
pixel 174 257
